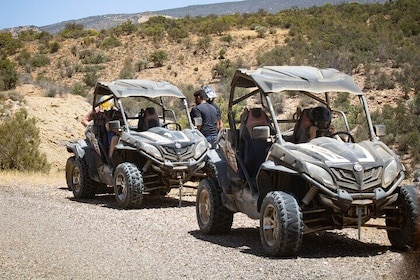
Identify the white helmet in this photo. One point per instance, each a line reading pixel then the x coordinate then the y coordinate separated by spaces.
pixel 211 94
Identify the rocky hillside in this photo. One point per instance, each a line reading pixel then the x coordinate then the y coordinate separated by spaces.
pixel 59 117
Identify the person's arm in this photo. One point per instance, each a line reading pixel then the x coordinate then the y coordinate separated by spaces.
pixel 87 118
pixel 219 119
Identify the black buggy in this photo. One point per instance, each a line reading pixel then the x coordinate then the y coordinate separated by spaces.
pixel 154 153
pixel 340 179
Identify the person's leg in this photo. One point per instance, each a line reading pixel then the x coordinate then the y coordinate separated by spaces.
pixel 114 141
pixel 212 140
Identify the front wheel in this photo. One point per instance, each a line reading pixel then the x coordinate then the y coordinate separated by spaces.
pixel 128 186
pixel 402 220
pixel 281 224
pixel 212 216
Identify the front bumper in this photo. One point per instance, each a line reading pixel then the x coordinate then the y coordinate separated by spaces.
pixel 342 201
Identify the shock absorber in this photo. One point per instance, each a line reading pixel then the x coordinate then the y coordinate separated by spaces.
pixel 310 195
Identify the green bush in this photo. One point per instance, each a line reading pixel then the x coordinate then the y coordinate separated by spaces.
pixel 90 78
pixel 204 44
pixel 8 45
pixel 20 150
pixel 91 57
pixel 158 57
pixel 126 28
pixel 78 89
pixel 24 58
pixel 127 72
pixel 110 43
pixel 8 74
pixel 54 47
pixel 75 30
pixel 40 60
pixel 177 33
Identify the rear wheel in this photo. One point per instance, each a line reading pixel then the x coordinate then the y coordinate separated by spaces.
pixel 79 181
pixel 212 216
pixel 404 218
pixel 69 170
pixel 128 186
pixel 281 224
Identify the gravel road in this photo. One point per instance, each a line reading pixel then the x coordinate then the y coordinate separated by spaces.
pixel 46 234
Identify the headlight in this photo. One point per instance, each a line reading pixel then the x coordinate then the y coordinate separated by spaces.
pixel 152 150
pixel 389 174
pixel 200 149
pixel 321 175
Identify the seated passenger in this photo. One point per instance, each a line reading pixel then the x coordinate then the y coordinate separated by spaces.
pixel 320 118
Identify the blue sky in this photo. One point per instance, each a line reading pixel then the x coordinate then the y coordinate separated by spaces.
pixel 15 13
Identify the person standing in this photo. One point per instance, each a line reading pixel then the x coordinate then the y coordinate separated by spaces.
pixel 211 96
pixel 208 115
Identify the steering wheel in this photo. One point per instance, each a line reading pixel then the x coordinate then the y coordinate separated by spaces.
pixel 349 139
pixel 172 126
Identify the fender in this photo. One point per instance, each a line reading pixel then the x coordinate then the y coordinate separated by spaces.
pixel 264 178
pixel 270 165
pixel 219 161
pixel 77 148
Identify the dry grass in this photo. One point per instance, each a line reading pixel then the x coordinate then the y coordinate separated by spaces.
pixel 16 178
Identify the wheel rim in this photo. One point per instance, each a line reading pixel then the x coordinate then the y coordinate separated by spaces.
pixel 121 187
pixel 204 207
pixel 270 225
pixel 76 179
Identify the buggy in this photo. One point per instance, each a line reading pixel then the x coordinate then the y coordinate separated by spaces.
pixel 153 154
pixel 340 179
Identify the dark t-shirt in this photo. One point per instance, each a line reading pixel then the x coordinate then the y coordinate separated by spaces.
pixel 219 113
pixel 208 114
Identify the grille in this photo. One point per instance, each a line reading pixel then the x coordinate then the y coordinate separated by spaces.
pixel 178 154
pixel 347 178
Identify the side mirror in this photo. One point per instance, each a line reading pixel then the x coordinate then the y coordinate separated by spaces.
pixel 261 132
pixel 114 125
pixel 380 130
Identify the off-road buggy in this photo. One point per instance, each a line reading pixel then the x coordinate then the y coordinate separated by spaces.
pixel 153 154
pixel 334 181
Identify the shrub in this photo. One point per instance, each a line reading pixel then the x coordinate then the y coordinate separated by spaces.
pixel 177 33
pixel 141 64
pixel 261 31
pixel 78 89
pixel 8 45
pixel 227 38
pixel 40 60
pixel 204 44
pixel 20 150
pixel 125 28
pixel 54 47
pixel 90 57
pixel 158 57
pixel 110 43
pixel 8 74
pixel 90 78
pixel 24 58
pixel 127 72
pixel 73 50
